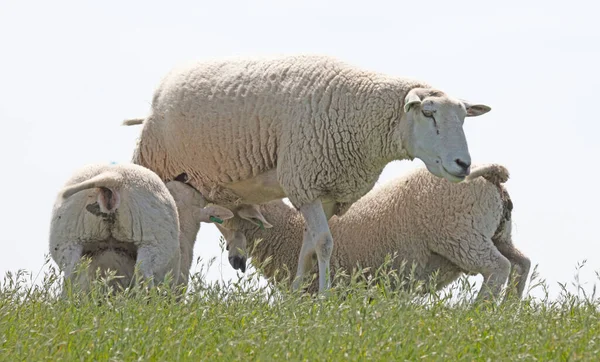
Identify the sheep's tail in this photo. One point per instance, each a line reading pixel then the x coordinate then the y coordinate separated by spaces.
pixel 494 173
pixel 106 180
pixel 133 122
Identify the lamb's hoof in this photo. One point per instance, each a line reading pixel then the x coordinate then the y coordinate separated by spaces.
pixel 238 262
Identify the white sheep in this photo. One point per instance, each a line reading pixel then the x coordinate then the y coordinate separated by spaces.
pixel 438 225
pixel 121 207
pixel 310 128
pixel 127 215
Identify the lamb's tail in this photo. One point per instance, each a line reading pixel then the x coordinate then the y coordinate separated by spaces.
pixel 494 173
pixel 106 180
pixel 133 122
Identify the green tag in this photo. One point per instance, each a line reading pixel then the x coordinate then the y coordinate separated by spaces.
pixel 260 224
pixel 215 219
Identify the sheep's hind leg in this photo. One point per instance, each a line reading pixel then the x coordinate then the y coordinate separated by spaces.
pixel 69 256
pixel 72 254
pixel 478 255
pixel 520 265
pixel 317 239
pixel 155 263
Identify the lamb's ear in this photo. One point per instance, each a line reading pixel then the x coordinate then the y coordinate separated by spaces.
pixel 474 110
pixel 252 214
pixel 213 213
pixel 411 99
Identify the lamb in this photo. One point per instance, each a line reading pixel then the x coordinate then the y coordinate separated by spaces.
pixel 192 209
pixel 310 128
pixel 438 225
pixel 119 216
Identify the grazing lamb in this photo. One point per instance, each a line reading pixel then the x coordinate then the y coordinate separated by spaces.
pixel 310 128
pixel 118 215
pixel 437 225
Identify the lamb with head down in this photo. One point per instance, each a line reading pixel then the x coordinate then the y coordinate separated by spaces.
pixel 439 226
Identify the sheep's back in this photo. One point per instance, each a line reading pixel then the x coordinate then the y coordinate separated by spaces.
pixel 223 122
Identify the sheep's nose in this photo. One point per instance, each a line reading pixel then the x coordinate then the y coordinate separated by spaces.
pixel 465 165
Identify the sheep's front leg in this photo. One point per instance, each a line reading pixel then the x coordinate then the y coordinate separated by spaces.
pixel 317 239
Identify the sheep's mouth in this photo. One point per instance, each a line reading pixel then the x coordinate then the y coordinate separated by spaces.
pixel 450 176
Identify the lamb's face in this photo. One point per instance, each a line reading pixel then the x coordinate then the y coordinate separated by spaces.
pixel 435 131
pixel 236 244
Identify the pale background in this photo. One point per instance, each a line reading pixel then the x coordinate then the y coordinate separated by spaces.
pixel 71 71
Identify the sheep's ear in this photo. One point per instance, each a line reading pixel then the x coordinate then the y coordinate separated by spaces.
pixel 411 99
pixel 253 215
pixel 474 110
pixel 214 214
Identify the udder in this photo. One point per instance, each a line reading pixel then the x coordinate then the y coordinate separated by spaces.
pixel 259 189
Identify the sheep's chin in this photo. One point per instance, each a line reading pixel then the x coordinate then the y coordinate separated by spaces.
pixel 450 177
pixel 438 170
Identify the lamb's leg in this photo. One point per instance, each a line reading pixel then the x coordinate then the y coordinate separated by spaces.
pixel 520 265
pixel 144 264
pixel 155 263
pixel 447 272
pixel 71 255
pixel 317 239
pixel 68 256
pixel 478 255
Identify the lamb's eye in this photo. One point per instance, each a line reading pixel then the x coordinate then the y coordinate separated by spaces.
pixel 427 113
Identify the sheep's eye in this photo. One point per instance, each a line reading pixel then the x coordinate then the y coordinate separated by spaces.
pixel 427 113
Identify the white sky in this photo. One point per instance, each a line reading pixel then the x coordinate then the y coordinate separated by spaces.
pixel 71 71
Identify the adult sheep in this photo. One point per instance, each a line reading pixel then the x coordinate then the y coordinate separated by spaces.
pixel 310 128
pixel 119 216
pixel 428 221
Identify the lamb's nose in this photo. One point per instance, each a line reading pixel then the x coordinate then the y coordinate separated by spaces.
pixel 464 165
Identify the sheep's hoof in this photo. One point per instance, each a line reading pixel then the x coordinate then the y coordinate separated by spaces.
pixel 238 262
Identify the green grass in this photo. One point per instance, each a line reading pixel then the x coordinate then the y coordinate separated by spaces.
pixel 359 320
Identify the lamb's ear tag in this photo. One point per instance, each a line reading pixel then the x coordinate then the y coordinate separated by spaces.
pixel 215 219
pixel 260 224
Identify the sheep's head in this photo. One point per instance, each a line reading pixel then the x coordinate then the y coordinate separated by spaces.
pixel 248 217
pixel 236 244
pixel 433 131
